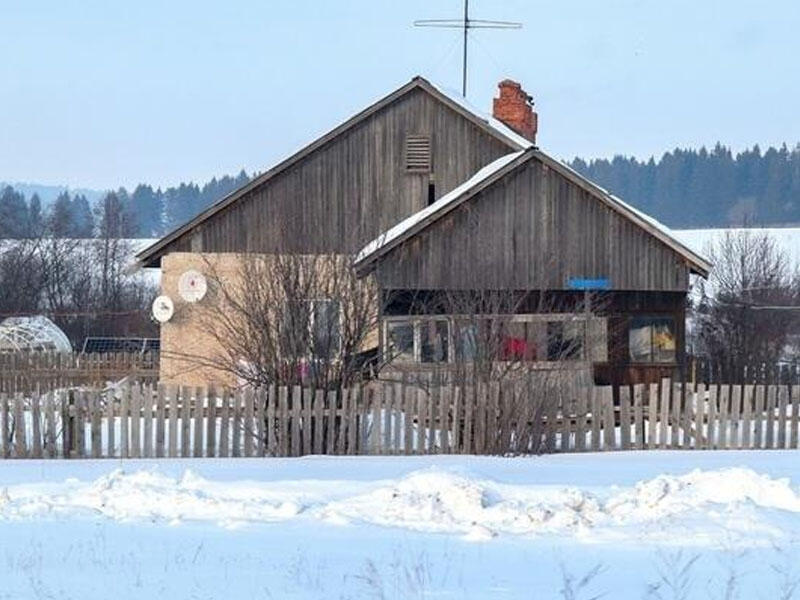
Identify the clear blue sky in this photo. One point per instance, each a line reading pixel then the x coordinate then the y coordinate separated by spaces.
pixel 105 93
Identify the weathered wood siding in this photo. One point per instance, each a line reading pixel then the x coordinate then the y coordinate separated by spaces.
pixel 354 187
pixel 533 229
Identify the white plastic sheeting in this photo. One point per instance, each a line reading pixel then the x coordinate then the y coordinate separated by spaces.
pixel 32 334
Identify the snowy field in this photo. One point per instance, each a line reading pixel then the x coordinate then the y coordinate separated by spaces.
pixel 636 524
pixel 787 239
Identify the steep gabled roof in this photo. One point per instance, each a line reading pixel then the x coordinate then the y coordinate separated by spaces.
pixel 148 256
pixel 495 171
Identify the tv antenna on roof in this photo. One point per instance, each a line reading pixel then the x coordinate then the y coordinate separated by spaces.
pixel 466 24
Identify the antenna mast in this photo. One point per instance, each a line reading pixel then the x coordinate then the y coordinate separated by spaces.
pixel 466 24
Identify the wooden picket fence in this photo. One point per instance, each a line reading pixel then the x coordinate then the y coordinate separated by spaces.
pixel 393 418
pixel 29 372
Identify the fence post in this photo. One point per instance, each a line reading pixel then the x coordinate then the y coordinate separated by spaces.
pixel 68 422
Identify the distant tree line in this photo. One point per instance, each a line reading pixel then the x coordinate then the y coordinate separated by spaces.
pixel 145 212
pixel 684 188
pixel 85 286
pixel 702 188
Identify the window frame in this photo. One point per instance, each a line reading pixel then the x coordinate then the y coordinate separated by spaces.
pixel 653 320
pixel 310 303
pixel 544 318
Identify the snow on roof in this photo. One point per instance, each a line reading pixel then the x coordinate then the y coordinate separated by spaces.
pixel 495 124
pixel 409 222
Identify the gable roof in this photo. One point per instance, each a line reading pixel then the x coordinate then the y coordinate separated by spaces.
pixel 149 255
pixel 495 171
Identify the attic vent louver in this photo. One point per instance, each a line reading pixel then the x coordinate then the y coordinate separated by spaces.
pixel 418 154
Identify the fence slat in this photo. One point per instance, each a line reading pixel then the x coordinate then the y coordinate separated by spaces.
pixel 422 418
pixel 185 421
pixel 468 405
pixel 211 421
pixel 735 417
pixel 147 420
pixel 758 430
pixel 607 399
pixel 20 447
pixel 172 429
pixel 723 425
pixel 36 425
pixel 352 420
pixel 638 415
pixel 795 416
pixel 97 437
pixel 341 433
pixel 711 416
pixel 564 423
pixel 260 399
pixel 675 423
pixel 136 421
pixel 272 407
pixel 624 417
pixel 50 426
pixel 769 440
pixel 124 411
pixel 747 423
pixel 330 441
pixel 699 416
pixel 652 415
pixel 666 386
pixel 375 395
pixel 160 420
pixel 297 394
pixel 319 409
pixel 248 429
pixel 455 431
pixel 307 397
pixel 479 418
pixel 225 423
pixel 396 418
pixel 387 403
pixel 107 412
pixel 198 401
pixel 596 418
pixel 236 424
pixel 782 404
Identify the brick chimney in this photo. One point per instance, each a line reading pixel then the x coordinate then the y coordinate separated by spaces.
pixel 514 107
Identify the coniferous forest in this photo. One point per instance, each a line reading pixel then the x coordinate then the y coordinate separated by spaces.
pixel 702 188
pixel 683 189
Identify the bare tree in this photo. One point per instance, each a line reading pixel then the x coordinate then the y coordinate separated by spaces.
pixel 744 315
pixel 20 279
pixel 288 319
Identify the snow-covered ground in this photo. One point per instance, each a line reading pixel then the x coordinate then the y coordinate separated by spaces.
pixel 405 527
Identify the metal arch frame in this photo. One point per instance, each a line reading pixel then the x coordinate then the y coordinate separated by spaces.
pixel 32 334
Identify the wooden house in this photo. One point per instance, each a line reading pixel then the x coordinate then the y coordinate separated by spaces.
pixel 431 197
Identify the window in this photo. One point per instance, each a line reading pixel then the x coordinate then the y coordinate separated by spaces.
pixel 521 338
pixel 400 341
pixel 325 328
pixel 418 154
pixel 465 340
pixel 311 328
pixel 565 340
pixel 519 341
pixel 652 339
pixel 433 341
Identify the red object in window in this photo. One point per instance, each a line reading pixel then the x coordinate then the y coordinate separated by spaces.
pixel 515 348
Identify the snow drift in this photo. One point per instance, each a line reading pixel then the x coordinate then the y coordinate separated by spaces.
pixel 714 507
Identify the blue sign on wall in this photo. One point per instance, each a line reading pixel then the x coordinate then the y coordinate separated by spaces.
pixel 600 283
